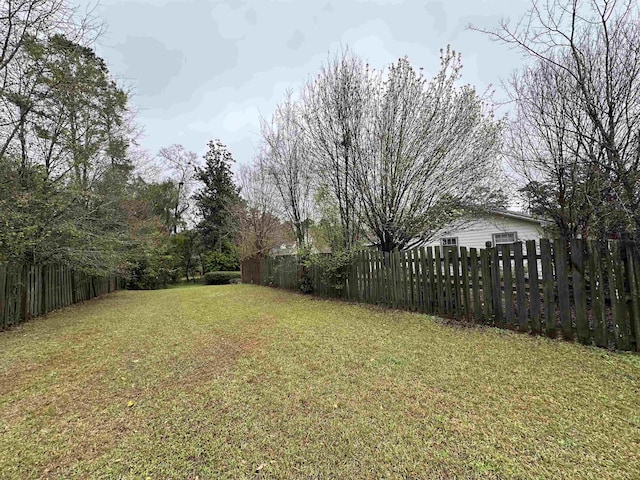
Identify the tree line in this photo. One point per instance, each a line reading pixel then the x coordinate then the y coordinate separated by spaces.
pixel 74 189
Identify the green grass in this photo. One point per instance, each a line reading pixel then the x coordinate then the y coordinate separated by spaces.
pixel 239 381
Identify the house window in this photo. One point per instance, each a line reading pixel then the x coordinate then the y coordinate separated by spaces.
pixel 449 242
pixel 505 238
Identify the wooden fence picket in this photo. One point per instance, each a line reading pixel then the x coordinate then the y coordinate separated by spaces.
pixel 3 295
pixel 562 280
pixel 521 294
pixel 456 310
pixel 475 284
pixel 487 294
pixel 617 297
pixel 508 286
pixel 496 287
pixel 580 291
pixel 446 272
pixel 404 284
pixel 534 287
pixel 431 280
pixel 548 286
pixel 466 295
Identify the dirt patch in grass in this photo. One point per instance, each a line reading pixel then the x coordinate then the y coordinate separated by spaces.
pixel 208 358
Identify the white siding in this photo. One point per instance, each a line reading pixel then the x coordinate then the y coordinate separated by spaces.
pixel 477 232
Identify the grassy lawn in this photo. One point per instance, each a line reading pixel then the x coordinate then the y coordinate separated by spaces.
pixel 249 382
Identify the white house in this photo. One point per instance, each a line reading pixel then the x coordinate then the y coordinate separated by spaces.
pixel 497 227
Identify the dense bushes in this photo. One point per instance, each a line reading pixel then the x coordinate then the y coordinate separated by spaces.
pixel 227 260
pixel 221 278
pixel 150 270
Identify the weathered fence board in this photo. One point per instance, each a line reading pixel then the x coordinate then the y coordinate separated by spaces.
pixel 597 294
pixel 534 287
pixel 475 284
pixel 548 287
pixel 521 294
pixel 618 298
pixel 508 285
pixel 486 286
pixel 580 292
pixel 498 311
pixel 562 279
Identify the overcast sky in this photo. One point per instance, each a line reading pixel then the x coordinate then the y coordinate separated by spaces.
pixel 205 69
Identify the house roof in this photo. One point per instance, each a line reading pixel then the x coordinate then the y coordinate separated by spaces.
pixel 520 216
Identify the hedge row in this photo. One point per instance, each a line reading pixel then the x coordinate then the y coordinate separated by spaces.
pixel 221 278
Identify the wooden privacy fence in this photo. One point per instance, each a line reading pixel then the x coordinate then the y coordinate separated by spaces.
pixel 587 291
pixel 28 291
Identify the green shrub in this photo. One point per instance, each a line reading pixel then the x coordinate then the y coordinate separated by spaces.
pixel 221 278
pixel 335 267
pixel 222 261
pixel 149 269
pixel 306 286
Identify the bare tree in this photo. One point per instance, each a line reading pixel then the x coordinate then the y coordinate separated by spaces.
pixel 592 46
pixel 336 110
pixel 180 164
pixel 259 225
pixel 550 142
pixel 286 161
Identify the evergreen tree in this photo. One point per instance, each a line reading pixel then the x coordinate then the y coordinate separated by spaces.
pixel 216 197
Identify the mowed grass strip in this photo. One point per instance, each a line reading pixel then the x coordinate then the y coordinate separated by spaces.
pixel 242 381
